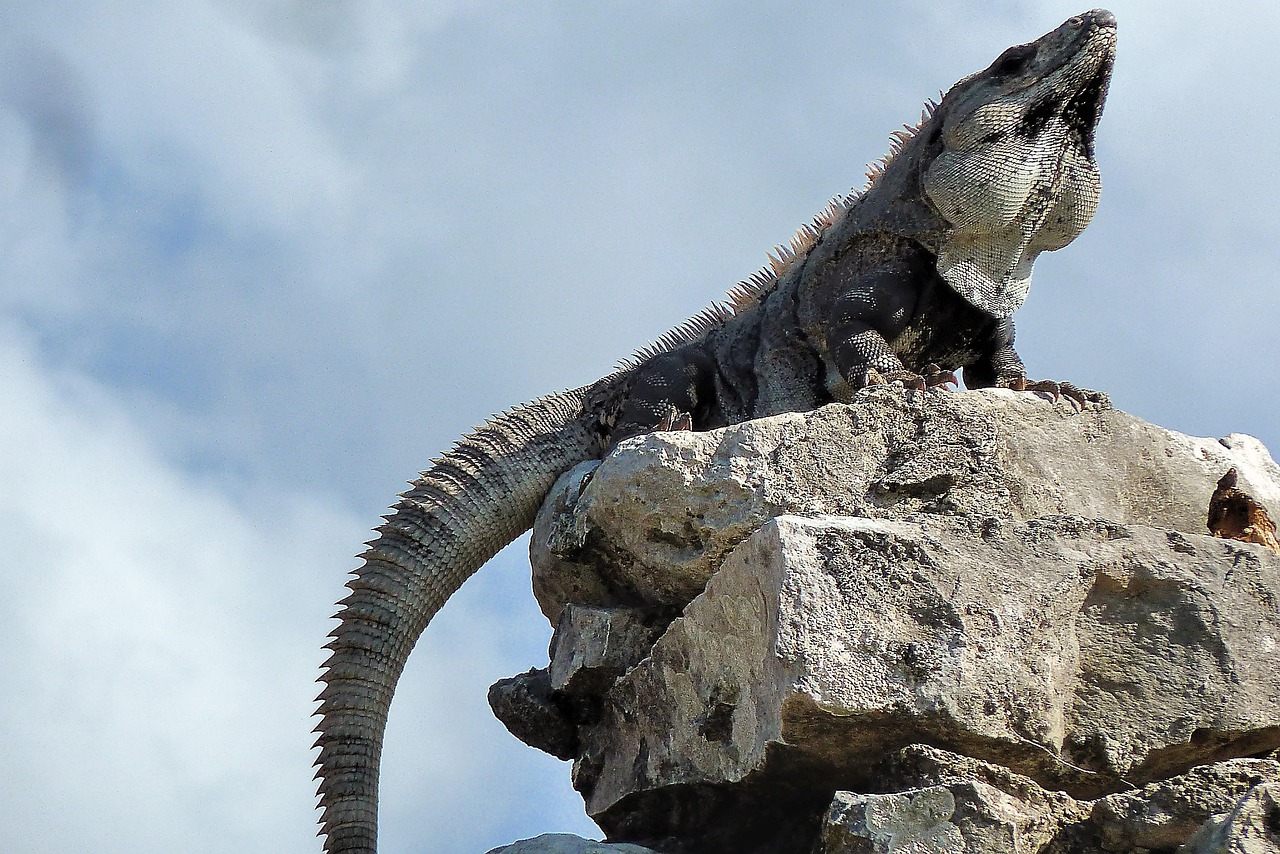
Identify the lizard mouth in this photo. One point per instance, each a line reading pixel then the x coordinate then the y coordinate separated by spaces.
pixel 1083 109
pixel 1082 112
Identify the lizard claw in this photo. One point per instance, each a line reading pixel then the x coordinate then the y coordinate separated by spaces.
pixel 1081 398
pixel 675 420
pixel 936 377
pixel 873 377
pixel 909 379
pixel 1085 397
pixel 932 377
pixel 1049 387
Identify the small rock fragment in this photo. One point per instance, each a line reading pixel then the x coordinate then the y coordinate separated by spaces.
pixel 528 709
pixel 1234 515
pixel 1166 813
pixel 594 646
pixel 564 843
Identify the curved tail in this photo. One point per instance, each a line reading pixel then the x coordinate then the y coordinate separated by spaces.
pixel 474 500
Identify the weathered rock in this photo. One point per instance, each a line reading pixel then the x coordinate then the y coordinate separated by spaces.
pixel 594 646
pixel 968 805
pixel 918 820
pixel 1098 654
pixel 962 817
pixel 1252 827
pixel 921 766
pixel 650 524
pixel 590 649
pixel 1028 587
pixel 532 713
pixel 564 843
pixel 1166 813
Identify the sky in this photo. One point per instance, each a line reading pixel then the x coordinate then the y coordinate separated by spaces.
pixel 263 259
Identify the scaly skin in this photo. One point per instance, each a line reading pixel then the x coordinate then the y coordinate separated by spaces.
pixel 909 281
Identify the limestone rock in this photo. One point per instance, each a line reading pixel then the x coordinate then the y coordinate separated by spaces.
pixel 532 713
pixel 920 766
pixel 963 817
pixel 1025 819
pixel 1098 655
pixel 752 619
pixel 1166 813
pixel 650 524
pixel 1252 827
pixel 564 843
pixel 594 646
pixel 958 803
pixel 919 820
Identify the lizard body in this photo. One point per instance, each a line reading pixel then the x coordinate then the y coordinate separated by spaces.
pixel 909 280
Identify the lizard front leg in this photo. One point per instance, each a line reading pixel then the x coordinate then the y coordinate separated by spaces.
pixel 874 309
pixel 1001 367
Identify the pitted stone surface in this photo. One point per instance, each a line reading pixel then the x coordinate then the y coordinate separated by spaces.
pixel 986 809
pixel 1165 814
pixel 1028 586
pixel 650 524
pixel 594 646
pixel 1098 656
pixel 1252 826
pixel 917 821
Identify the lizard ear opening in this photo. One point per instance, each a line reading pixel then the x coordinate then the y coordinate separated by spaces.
pixel 1013 60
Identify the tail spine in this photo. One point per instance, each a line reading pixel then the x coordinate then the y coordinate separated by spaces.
pixel 474 500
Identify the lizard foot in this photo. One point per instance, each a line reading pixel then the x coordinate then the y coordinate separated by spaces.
pixel 931 377
pixel 936 377
pixel 1081 398
pixel 675 420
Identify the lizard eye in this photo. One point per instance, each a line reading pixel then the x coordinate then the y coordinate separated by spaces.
pixel 1013 60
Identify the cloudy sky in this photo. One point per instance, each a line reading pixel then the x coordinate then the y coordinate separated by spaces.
pixel 263 258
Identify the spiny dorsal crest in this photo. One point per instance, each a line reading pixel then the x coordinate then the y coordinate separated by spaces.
pixel 897 141
pixel 751 290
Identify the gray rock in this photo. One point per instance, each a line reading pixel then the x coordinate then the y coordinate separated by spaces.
pixel 751 619
pixel 948 797
pixel 964 816
pixel 1166 813
pixel 921 766
pixel 1098 656
pixel 916 820
pixel 532 713
pixel 650 524
pixel 590 649
pixel 1252 827
pixel 594 646
pixel 564 843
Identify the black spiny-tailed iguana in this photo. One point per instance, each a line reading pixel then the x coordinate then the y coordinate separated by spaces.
pixel 913 278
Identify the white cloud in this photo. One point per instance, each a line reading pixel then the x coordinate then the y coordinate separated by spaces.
pixel 161 643
pixel 156 654
pixel 262 258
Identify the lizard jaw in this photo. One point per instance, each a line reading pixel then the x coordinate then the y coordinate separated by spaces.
pixel 1016 175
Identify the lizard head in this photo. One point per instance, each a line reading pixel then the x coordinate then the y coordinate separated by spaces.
pixel 1014 174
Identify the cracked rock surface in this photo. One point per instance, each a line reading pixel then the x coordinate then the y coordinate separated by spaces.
pixel 925 621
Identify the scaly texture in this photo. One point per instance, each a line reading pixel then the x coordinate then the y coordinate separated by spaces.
pixel 474 500
pixel 911 279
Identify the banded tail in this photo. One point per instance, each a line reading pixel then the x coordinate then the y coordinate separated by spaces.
pixel 473 501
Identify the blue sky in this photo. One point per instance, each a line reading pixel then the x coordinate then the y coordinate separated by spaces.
pixel 264 258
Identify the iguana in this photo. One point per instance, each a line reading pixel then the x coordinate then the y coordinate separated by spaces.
pixel 912 278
